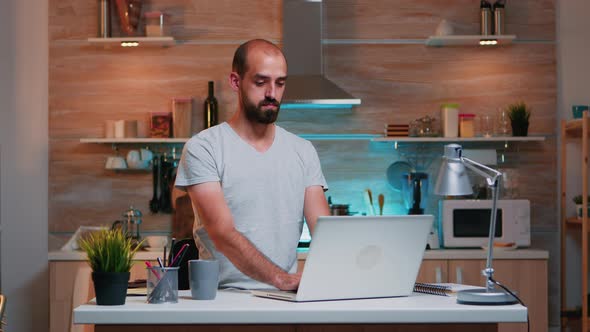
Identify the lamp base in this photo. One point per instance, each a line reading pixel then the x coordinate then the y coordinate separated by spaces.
pixel 485 297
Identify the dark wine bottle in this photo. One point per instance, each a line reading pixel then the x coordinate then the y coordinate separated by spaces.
pixel 210 108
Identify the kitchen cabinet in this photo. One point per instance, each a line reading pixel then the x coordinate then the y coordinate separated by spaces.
pixel 524 271
pixel 62 278
pixel 528 277
pixel 577 130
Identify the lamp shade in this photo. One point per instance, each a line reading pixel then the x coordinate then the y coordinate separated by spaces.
pixel 452 177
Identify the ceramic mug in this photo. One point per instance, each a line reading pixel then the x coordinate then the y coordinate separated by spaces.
pixel 116 162
pixel 578 110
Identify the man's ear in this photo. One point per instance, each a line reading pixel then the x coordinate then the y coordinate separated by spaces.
pixel 234 80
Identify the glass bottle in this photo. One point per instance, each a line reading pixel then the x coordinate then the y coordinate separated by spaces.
pixel 210 111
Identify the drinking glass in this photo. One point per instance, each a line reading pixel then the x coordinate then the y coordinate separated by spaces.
pixel 486 125
pixel 503 127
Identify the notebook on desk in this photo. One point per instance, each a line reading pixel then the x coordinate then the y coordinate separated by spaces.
pixel 355 257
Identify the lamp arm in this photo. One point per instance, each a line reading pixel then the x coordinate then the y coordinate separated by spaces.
pixel 476 167
pixel 492 181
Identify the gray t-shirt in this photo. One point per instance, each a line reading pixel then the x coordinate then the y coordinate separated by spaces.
pixel 264 191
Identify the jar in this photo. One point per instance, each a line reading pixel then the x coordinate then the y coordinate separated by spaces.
pixel 428 127
pixel 154 24
pixel 466 125
pixel 449 114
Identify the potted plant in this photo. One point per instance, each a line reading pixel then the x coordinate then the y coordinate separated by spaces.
pixel 110 253
pixel 519 114
pixel 578 201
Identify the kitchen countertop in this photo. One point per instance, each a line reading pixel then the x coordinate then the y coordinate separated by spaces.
pixel 233 307
pixel 302 254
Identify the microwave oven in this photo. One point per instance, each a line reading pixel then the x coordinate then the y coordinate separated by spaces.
pixel 465 223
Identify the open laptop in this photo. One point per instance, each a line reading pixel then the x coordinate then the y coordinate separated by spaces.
pixel 354 257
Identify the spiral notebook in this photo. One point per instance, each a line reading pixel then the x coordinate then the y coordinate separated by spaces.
pixel 442 289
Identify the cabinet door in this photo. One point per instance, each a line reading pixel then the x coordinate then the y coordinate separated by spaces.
pixel 62 276
pixel 433 270
pixel 527 277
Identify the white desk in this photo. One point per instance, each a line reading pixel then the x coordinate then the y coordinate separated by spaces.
pixel 235 309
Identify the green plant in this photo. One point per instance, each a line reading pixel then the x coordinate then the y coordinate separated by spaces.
pixel 519 113
pixel 109 250
pixel 578 199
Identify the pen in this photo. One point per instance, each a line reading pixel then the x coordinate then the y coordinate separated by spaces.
pixel 183 253
pixel 164 256
pixel 171 251
pixel 160 262
pixel 178 254
pixel 149 265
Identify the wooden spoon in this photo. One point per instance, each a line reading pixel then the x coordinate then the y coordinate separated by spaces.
pixel 381 203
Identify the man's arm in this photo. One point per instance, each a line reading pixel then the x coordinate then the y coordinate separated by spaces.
pixel 314 205
pixel 218 222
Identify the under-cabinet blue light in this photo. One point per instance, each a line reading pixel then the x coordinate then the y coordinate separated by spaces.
pixel 314 106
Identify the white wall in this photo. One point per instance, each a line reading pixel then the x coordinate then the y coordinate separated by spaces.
pixel 573 72
pixel 24 163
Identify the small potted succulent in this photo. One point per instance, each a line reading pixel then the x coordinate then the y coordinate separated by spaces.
pixel 578 201
pixel 519 114
pixel 110 253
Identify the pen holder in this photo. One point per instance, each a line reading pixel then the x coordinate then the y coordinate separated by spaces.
pixel 162 284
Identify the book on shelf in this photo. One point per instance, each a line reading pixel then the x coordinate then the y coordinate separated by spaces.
pixel 442 289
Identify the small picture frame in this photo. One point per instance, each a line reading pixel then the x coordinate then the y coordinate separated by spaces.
pixel 160 124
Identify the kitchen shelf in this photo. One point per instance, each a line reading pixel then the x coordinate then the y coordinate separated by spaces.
pixel 311 137
pixel 580 130
pixel 468 40
pixel 143 41
pixel 573 128
pixel 134 140
pixel 539 138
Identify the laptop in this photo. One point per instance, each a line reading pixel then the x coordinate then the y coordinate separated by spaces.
pixel 358 257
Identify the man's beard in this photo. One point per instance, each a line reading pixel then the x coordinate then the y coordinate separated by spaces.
pixel 256 114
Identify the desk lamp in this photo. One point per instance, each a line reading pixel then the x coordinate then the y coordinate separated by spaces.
pixel 453 181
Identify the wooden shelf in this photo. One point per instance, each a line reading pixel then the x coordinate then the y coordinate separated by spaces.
pixel 580 129
pixel 142 41
pixel 574 221
pixel 311 137
pixel 133 140
pixel 468 40
pixel 460 139
pixel 573 128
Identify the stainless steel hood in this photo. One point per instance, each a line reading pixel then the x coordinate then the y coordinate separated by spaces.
pixel 302 44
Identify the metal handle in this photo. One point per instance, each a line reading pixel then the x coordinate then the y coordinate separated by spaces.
pixel 459 275
pixel 438 274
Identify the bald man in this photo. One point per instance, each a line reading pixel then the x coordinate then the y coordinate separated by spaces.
pixel 251 182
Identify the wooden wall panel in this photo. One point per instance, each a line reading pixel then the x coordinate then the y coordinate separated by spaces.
pixel 129 83
pixel 89 85
pixel 407 19
pixel 397 83
pixel 196 20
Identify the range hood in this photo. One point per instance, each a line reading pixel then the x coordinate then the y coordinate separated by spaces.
pixel 302 45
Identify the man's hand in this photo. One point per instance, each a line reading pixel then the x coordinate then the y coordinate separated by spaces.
pixel 286 281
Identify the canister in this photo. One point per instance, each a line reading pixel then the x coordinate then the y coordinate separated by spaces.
pixel 154 24
pixel 450 119
pixel 499 17
pixel 466 125
pixel 486 18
